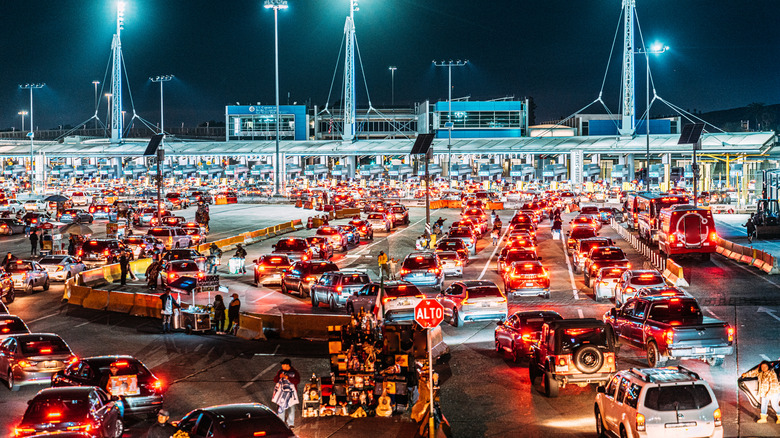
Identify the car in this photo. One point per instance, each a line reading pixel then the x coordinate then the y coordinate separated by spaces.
pixel 100 211
pixel 12 325
pixel 603 257
pixel 80 198
pixel 99 252
pixel 61 267
pixel 635 279
pixel 575 235
pixel 589 210
pixel 400 214
pixel 580 351
pixel 335 236
pixel 465 234
pixel 509 255
pixel 177 200
pixel 583 247
pixel 352 233
pixel 32 358
pixel 473 300
pixel 81 409
pixel 269 269
pixel 606 282
pixel 35 218
pixel 295 248
pixel 380 221
pixel 478 216
pixel 11 205
pixel 321 247
pixel 74 215
pixel 195 231
pixel 452 263
pixel 749 384
pixel 302 275
pixel 453 244
pixel 398 299
pixel 423 269
pixel 171 237
pixel 142 245
pixel 10 226
pixel 143 217
pixel 521 330
pixel 7 291
pixel 527 278
pixel 657 402
pixel 233 421
pixel 185 254
pixel 586 220
pixel 27 275
pixel 364 227
pixel 145 396
pixel 334 288
pixel 181 268
pixel 522 229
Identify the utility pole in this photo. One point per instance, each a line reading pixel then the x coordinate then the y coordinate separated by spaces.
pixel 31 134
pixel 449 65
pixel 161 149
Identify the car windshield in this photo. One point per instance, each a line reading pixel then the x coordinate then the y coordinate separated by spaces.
pixel 376 216
pixel 269 425
pixel 675 309
pixel 402 290
pixel 96 245
pixel 56 410
pixel 483 291
pixel 573 337
pixel 611 273
pixel 451 245
pixel 677 397
pixel 608 254
pixel 646 279
pixel 291 245
pixel 20 267
pixel 535 324
pixel 583 233
pixel 587 246
pixel 42 346
pixel 351 280
pixel 419 262
pixel 51 260
pixel 183 267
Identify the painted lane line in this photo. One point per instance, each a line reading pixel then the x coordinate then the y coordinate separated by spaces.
pixel 42 318
pixel 495 248
pixel 197 348
pixel 769 312
pixel 733 263
pixel 88 322
pixel 267 354
pixel 574 290
pixel 254 379
pixel 363 250
pixel 579 312
pixel 269 293
pixel 711 313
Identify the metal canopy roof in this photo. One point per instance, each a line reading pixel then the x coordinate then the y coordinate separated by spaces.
pixel 753 143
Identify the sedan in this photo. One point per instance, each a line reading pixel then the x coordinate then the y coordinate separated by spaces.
pixel 380 221
pixel 635 279
pixel 423 269
pixel 11 205
pixel 527 279
pixel 74 215
pixel 520 331
pixel 467 301
pixel 453 244
pixel 452 263
pixel 62 410
pixel 364 227
pixel 269 269
pixel 231 421
pixel 11 325
pixel 181 268
pixel 144 393
pixel 62 267
pixel 321 246
pixel 10 226
pixel 32 359
pixel 302 275
pixel 28 275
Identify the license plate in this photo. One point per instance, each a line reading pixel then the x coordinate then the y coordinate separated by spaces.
pixel 405 303
pixel 529 284
pixel 561 368
pixel 486 304
pixel 699 350
pixel 49 364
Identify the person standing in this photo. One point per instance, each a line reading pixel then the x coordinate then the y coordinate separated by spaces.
pixel 152 272
pixel 71 246
pixel 219 314
pixel 241 254
pixel 495 234
pixel 124 266
pixel 161 429
pixel 234 310
pixel 557 227
pixel 286 392
pixel 215 254
pixel 768 390
pixel 751 228
pixel 382 260
pixel 168 303
pixel 33 243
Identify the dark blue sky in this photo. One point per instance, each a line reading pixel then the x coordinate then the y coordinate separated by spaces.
pixel 723 53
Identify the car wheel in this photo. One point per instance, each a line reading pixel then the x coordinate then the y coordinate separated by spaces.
pixel 28 288
pixel 550 385
pixel 332 304
pixel 9 297
pixel 302 291
pixel 654 357
pixel 9 381
pixel 588 359
pixel 46 285
pixel 455 318
pixel 314 301
pixel 119 428
pixel 623 433
pixel 715 361
pixel 284 288
pixel 516 356
pixel 533 373
pixel 600 433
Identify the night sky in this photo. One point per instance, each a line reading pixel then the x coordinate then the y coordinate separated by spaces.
pixel 723 53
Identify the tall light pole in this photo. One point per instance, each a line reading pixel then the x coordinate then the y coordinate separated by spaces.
pixel 31 134
pixel 655 49
pixel 108 111
pixel 276 5
pixel 22 113
pixel 449 65
pixel 160 151
pixel 392 84
pixel 96 83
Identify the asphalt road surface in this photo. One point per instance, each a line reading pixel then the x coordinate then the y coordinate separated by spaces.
pixel 483 393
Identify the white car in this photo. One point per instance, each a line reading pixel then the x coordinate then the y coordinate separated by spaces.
pixel 657 402
pixel 171 237
pixel 380 221
pixel 606 282
pixel 399 300
pixel 27 275
pixel 61 267
pixel 473 300
pixel 451 263
pixel 633 280
pixel 11 205
pixel 80 198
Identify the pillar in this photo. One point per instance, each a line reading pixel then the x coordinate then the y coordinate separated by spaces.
pixel 630 167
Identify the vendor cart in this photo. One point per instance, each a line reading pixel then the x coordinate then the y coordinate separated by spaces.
pixel 194 319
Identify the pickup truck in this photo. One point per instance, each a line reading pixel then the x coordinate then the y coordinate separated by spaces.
pixel 671 327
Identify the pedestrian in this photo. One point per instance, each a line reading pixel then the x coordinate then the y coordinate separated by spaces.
pixel 751 228
pixel 215 258
pixel 234 311
pixel 495 234
pixel 7 260
pixel 382 260
pixel 130 258
pixel 34 243
pixel 392 266
pixel 556 228
pixel 124 266
pixel 768 390
pixel 241 254
pixel 105 384
pixel 286 392
pixel 168 303
pixel 152 272
pixel 161 429
pixel 71 246
pixel 27 229
pixel 219 314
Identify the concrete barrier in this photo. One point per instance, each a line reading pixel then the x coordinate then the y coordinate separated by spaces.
pixel 347 212
pixel 92 278
pixel 748 255
pixel 96 299
pixel 77 294
pixel 121 302
pixel 309 325
pixel 250 327
pixel 673 273
pixel 146 305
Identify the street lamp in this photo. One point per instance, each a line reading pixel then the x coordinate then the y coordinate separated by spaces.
pixel 392 84
pixel 449 65
pixel 655 49
pixel 108 110
pixel 276 5
pixel 161 80
pixel 96 83
pixel 22 113
pixel 160 151
pixel 31 134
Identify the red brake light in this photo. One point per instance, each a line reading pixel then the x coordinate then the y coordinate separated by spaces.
pixel 54 414
pixel 675 300
pixel 730 332
pixel 669 336
pixel 713 236
pixel 339 288
pixel 45 350
pixel 718 418
pixel 261 433
pixel 640 422
pixel 668 294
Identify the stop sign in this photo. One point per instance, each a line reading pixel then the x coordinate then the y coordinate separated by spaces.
pixel 428 313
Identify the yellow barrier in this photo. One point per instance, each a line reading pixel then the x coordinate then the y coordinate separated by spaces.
pixel 674 274
pixel 139 266
pixel 96 299
pixel 146 305
pixel 92 277
pixel 77 294
pixel 121 302
pixel 347 212
pixel 111 273
pixel 454 204
pixel 495 205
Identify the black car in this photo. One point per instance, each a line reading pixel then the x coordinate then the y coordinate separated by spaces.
pixel 34 218
pixel 400 214
pixel 364 227
pixel 520 331
pixel 145 398
pixel 244 420
pixel 82 409
pixel 302 274
pixel 185 254
pixel 352 233
pixel 96 252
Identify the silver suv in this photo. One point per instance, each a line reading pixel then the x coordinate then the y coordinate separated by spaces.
pixel 334 288
pixel 657 402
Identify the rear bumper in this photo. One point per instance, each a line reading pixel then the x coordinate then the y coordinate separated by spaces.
pixel 399 314
pixel 453 271
pixel 672 249
pixel 24 378
pixel 583 378
pixel 489 314
pixel 143 404
pixel 529 292
pixel 699 352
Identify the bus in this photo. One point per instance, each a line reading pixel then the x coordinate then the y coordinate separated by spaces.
pixel 686 229
pixel 648 206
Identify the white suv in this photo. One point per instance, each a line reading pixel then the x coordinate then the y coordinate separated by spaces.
pixel 171 237
pixel 657 402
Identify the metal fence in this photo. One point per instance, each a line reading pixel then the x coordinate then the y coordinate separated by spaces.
pixel 653 256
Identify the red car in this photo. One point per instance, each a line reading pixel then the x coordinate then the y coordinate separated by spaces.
pixel 527 278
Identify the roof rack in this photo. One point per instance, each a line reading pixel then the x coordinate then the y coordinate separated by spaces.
pixel 654 375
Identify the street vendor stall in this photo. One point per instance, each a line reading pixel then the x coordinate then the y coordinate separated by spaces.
pixel 195 318
pixel 51 239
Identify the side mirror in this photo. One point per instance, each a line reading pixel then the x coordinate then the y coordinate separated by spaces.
pixel 539 258
pixel 601 389
pixel 254 261
pixel 499 323
pixel 115 398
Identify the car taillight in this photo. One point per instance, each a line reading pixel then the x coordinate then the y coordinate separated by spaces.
pixel 571 241
pixel 22 431
pixel 713 236
pixel 85 427
pixel 562 361
pixel 25 363
pixel 81 252
pixel 717 416
pixel 60 268
pixel 171 276
pixel 386 299
pixel 672 238
pixel 72 360
pixel 434 271
pixel 261 267
pixel 339 288
pixel 669 336
pixel 404 271
pixel 730 332
pixel 157 385
pixel 201 275
pixel 105 252
pixel 640 422
pixel 458 263
pixel 528 336
pixel 310 278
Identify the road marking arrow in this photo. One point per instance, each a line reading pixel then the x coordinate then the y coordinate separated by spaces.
pixel 769 312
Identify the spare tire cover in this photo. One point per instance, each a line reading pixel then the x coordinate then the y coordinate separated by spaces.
pixel 588 359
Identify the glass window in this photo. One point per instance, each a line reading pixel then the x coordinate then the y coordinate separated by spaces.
pixel 188 424
pixel 613 384
pixel 677 397
pixel 204 426
pixel 632 395
pixel 622 390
